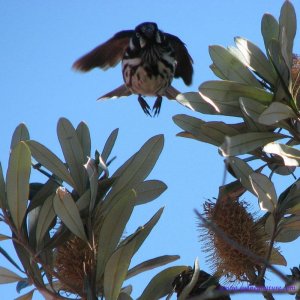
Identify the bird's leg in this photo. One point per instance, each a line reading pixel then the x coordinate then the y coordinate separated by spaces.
pixel 145 106
pixel 157 105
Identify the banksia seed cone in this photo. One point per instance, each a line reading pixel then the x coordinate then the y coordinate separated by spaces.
pixel 232 217
pixel 73 260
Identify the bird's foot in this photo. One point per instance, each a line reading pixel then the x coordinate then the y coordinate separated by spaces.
pixel 144 105
pixel 157 105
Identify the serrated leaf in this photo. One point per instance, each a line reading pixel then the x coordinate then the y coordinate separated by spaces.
pixel 256 60
pixel 269 29
pixel 288 26
pixel 111 231
pixel 290 155
pixel 277 258
pixel 84 138
pixel 73 153
pixel 151 264
pixel 27 296
pixel 138 167
pixel 109 144
pixel 149 190
pixel 66 209
pixel 161 284
pixel 276 112
pixel 242 171
pixel 21 133
pixel 46 217
pixel 116 269
pixel 265 191
pixel 50 161
pixel 17 183
pixel 7 276
pixel 231 67
pixel 247 142
pixel 189 287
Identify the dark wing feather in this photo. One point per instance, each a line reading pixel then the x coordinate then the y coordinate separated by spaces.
pixel 184 68
pixel 106 55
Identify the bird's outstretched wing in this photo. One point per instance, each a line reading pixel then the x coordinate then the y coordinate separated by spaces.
pixel 107 54
pixel 184 68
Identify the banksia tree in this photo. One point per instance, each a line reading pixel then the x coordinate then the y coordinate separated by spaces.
pixel 260 90
pixel 69 232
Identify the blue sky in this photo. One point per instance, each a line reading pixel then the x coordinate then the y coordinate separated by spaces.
pixel 39 42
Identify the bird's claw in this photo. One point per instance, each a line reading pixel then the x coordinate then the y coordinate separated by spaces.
pixel 144 105
pixel 157 105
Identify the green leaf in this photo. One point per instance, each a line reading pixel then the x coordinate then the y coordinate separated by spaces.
pixel 149 190
pixel 84 138
pixel 111 231
pixel 151 264
pixel 116 269
pixel 50 161
pixel 217 72
pixel 247 142
pixel 27 296
pixel 46 217
pixel 109 144
pixel 289 229
pixel 231 67
pixel 252 108
pixel 2 189
pixel 66 209
pixel 7 276
pixel 276 112
pixel 209 132
pixel 17 183
pixel 138 167
pixel 256 60
pixel 9 258
pixel 21 133
pixel 93 172
pixel 195 102
pixel 279 63
pixel 265 191
pixel 242 171
pixel 189 287
pixel 161 284
pixel 147 228
pixel 288 27
pixel 290 155
pixel 269 29
pixel 277 258
pixel 124 296
pixel 223 96
pixel 73 153
pixel 4 237
pixel 84 201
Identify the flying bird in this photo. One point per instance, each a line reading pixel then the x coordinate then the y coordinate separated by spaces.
pixel 150 60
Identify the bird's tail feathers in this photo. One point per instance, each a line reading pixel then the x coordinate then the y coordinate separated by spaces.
pixel 120 91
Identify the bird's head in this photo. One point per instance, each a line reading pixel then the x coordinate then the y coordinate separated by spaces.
pixel 147 34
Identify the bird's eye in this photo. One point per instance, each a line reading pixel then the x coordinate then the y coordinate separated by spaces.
pixel 137 35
